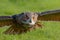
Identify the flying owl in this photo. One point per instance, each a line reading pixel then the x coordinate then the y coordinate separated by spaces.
pixel 26 21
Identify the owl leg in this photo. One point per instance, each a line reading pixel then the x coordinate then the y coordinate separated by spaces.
pixel 38 24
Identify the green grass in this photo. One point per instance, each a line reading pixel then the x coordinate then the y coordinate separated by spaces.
pixel 50 30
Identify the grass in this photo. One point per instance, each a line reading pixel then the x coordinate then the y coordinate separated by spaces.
pixel 50 30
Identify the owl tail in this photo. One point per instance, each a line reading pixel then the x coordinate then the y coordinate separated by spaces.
pixel 6 20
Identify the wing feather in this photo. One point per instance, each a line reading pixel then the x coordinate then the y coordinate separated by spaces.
pixel 5 21
pixel 53 15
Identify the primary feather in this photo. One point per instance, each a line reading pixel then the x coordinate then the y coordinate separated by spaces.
pixel 53 15
pixel 6 21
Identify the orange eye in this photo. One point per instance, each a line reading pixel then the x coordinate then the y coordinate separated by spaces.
pixel 33 17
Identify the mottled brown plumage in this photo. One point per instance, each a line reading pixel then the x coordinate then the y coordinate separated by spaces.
pixel 6 21
pixel 19 23
pixel 27 21
pixel 53 15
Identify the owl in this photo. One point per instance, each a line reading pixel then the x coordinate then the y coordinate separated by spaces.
pixel 27 21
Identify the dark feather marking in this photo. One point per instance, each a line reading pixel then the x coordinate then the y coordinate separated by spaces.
pixel 5 21
pixel 49 15
pixel 49 12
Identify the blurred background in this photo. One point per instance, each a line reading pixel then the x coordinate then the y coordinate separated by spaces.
pixel 50 30
pixel 10 7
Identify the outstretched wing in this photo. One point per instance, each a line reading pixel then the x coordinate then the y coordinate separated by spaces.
pixel 6 20
pixel 53 15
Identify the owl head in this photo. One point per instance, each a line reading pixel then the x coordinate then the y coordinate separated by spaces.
pixel 29 18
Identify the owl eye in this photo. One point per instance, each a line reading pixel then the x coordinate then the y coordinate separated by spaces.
pixel 27 17
pixel 33 17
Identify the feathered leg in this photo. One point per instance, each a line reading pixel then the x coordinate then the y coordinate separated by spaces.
pixel 37 25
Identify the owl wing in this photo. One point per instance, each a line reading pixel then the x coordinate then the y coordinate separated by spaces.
pixel 53 15
pixel 16 27
pixel 6 21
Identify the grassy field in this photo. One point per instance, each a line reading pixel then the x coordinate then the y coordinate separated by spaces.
pixel 50 30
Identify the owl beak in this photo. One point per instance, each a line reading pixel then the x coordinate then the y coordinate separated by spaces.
pixel 31 22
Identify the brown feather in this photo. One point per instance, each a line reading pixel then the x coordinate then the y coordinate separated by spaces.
pixel 5 23
pixel 50 17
